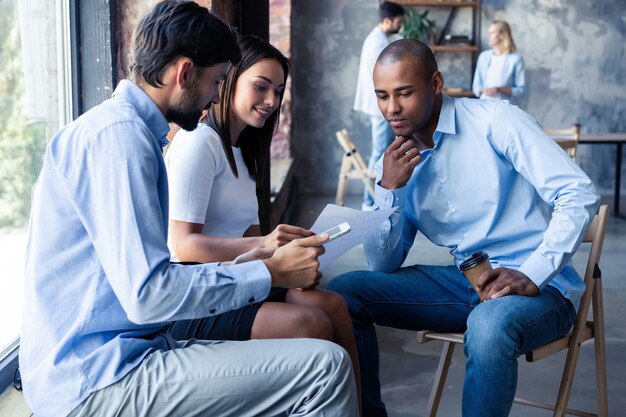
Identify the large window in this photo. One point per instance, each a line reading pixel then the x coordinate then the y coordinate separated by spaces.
pixel 34 103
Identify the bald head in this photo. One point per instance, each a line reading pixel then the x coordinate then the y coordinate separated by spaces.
pixel 409 49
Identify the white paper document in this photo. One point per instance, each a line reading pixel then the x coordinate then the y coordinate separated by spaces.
pixel 362 223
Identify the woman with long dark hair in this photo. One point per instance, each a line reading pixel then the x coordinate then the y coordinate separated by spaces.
pixel 214 173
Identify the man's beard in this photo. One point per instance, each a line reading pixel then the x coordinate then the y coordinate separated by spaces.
pixel 184 114
pixel 184 118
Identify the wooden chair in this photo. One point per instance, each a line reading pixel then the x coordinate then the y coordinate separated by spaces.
pixel 352 167
pixel 583 330
pixel 567 138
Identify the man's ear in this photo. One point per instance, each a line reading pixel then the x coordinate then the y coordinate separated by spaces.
pixel 185 72
pixel 438 82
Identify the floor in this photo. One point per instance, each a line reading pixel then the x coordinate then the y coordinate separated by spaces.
pixel 407 368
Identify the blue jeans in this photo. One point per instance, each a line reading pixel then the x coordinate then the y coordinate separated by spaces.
pixel 382 136
pixel 439 298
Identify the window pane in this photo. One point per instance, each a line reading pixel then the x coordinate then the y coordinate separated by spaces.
pixel 32 106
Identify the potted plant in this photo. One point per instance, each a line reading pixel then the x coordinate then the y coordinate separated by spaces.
pixel 418 26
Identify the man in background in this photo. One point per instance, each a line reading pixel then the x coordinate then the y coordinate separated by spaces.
pixel 391 19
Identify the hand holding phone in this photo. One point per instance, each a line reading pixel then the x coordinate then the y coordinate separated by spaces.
pixel 335 232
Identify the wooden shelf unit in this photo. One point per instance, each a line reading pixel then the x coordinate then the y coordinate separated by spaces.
pixel 473 48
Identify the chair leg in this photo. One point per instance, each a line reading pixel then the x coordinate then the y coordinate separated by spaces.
pixel 598 334
pixel 440 378
pixel 343 181
pixel 567 379
pixel 341 190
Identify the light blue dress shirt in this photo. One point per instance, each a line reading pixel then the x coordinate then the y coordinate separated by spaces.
pixel 493 182
pixel 99 287
pixel 512 75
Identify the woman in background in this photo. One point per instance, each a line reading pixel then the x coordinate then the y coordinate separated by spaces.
pixel 213 173
pixel 500 70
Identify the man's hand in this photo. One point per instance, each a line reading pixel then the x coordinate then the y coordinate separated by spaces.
pixel 295 265
pixel 499 282
pixel 283 234
pixel 401 158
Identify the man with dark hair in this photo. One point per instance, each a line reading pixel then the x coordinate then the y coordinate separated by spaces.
pixel 100 291
pixel 470 175
pixel 391 18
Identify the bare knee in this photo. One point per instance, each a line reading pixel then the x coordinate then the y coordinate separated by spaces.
pixel 335 305
pixel 314 323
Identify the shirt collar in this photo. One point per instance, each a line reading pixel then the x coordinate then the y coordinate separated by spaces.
pixel 147 109
pixel 446 123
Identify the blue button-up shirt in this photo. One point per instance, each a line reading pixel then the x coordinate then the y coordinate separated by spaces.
pixel 493 182
pixel 99 287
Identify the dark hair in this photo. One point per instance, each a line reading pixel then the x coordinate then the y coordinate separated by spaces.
pixel 389 10
pixel 174 29
pixel 253 142
pixel 417 51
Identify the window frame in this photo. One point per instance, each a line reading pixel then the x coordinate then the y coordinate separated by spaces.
pixel 8 364
pixel 88 79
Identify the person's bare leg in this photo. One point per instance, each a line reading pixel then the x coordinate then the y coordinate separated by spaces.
pixel 276 320
pixel 336 309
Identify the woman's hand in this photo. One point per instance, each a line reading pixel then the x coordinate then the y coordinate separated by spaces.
pixel 283 234
pixel 491 91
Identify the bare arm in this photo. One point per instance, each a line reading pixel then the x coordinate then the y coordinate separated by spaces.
pixel 190 245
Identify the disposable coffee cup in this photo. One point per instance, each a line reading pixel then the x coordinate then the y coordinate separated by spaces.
pixel 474 266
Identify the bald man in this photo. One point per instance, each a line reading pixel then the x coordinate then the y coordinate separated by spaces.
pixel 471 175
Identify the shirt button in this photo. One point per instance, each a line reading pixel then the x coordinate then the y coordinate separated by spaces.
pixel 453 210
pixel 251 300
pixel 442 180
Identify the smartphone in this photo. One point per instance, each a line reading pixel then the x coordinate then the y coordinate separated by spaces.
pixel 335 232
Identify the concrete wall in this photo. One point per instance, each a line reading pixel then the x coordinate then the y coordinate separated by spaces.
pixel 575 57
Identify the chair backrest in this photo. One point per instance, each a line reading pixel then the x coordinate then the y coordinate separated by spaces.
pixel 566 138
pixel 595 235
pixel 584 329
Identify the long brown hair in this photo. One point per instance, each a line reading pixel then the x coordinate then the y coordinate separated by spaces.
pixel 253 142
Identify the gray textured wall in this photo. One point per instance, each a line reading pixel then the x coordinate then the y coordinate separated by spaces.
pixel 575 57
